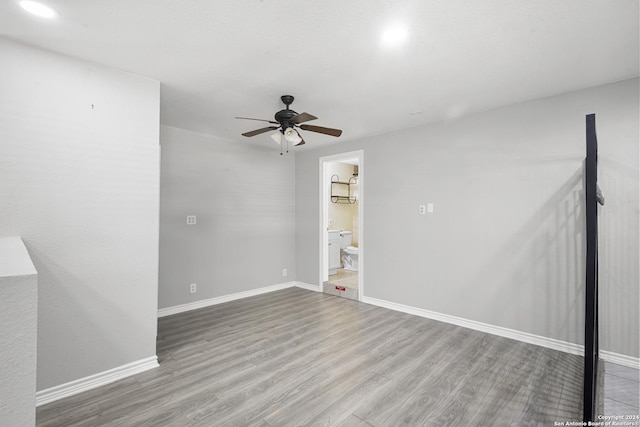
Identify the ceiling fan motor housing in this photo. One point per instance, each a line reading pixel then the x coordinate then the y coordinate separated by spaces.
pixel 284 116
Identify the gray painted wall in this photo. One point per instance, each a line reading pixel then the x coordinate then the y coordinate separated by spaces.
pixel 81 186
pixel 243 197
pixel 505 244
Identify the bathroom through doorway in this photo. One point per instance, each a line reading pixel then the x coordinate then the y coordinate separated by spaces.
pixel 341 225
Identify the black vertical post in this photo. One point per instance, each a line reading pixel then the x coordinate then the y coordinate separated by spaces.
pixel 591 276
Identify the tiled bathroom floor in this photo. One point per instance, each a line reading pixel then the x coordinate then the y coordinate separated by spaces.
pixel 344 278
pixel 621 390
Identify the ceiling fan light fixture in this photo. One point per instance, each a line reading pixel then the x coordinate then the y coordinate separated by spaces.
pixel 291 135
pixel 277 137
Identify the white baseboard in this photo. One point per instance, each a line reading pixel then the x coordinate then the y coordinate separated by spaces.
pixel 84 384
pixel 308 286
pixel 168 311
pixel 551 343
pixel 564 346
pixel 620 359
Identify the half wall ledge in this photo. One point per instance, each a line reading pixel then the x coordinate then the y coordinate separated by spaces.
pixel 18 335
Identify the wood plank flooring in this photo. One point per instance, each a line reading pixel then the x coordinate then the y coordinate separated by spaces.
pixel 296 357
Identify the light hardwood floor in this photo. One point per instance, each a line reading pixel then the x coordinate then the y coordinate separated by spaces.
pixel 296 357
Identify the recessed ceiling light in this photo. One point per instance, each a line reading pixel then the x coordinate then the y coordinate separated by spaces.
pixel 38 9
pixel 394 35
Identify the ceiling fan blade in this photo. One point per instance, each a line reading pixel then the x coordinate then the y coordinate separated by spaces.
pixel 259 131
pixel 260 120
pixel 320 129
pixel 303 117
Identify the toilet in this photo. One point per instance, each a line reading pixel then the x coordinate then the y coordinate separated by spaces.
pixel 348 253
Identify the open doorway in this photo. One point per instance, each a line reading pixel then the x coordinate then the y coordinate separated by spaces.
pixel 341 192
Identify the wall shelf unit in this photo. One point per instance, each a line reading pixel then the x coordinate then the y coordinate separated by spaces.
pixel 341 190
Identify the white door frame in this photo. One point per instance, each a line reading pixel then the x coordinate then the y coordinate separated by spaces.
pixel 325 187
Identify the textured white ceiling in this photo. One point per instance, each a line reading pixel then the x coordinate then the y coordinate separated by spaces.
pixel 225 58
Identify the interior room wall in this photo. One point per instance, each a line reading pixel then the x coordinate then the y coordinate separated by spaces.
pixel 79 182
pixel 242 195
pixel 343 216
pixel 505 243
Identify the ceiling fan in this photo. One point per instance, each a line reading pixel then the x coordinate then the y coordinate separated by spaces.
pixel 286 123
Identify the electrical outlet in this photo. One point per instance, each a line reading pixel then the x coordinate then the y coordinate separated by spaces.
pixel 422 209
pixel 191 220
pixel 284 272
pixel 193 288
